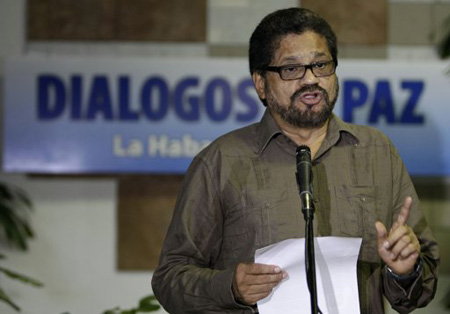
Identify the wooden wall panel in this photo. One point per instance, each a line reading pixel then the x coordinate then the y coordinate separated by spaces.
pixel 117 20
pixel 156 20
pixel 355 22
pixel 145 207
pixel 70 20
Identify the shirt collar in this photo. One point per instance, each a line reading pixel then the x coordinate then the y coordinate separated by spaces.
pixel 338 130
pixel 268 129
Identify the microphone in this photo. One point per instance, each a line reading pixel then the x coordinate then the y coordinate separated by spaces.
pixel 304 179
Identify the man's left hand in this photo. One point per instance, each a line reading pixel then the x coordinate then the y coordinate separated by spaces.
pixel 399 248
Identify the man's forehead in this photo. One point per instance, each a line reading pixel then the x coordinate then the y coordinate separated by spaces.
pixel 311 54
pixel 294 47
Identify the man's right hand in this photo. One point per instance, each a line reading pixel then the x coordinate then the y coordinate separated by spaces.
pixel 253 282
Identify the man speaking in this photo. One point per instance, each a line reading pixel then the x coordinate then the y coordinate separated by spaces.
pixel 240 193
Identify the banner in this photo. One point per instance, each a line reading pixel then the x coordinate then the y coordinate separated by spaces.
pixel 92 115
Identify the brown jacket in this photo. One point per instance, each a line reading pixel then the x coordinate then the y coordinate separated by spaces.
pixel 240 194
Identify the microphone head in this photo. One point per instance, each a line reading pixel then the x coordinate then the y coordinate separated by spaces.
pixel 303 154
pixel 303 148
pixel 304 169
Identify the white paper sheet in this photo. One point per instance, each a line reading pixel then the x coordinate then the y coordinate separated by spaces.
pixel 337 286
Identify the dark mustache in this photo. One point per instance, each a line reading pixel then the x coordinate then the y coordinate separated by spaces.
pixel 309 89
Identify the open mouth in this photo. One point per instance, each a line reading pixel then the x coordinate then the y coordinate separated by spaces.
pixel 311 98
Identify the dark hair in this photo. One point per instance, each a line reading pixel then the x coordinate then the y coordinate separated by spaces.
pixel 269 32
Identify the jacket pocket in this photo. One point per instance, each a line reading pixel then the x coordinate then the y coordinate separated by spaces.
pixel 356 209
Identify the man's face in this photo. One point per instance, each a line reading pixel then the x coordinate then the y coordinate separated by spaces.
pixel 306 102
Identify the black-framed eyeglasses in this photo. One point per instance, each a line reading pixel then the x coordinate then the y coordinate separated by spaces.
pixel 297 71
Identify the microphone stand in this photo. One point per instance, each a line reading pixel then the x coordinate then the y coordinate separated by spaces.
pixel 304 181
pixel 310 263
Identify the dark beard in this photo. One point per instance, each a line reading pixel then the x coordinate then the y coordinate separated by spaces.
pixel 306 119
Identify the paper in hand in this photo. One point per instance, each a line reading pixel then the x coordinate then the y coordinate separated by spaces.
pixel 337 286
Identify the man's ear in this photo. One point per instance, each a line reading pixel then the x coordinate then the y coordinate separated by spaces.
pixel 259 82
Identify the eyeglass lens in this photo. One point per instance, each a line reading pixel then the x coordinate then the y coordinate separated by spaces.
pixel 298 71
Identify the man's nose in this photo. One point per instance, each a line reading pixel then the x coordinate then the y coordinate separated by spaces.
pixel 309 78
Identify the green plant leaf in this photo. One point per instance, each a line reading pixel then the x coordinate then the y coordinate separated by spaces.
pixel 148 308
pixel 15 194
pixel 21 277
pixel 5 192
pixel 22 197
pixel 148 304
pixel 13 229
pixel 5 298
pixel 443 47
pixel 115 310
pixel 15 207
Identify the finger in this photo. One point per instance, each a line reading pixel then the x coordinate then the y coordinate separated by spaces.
pixel 413 247
pixel 248 279
pixel 382 242
pixel 396 236
pixel 262 288
pixel 251 292
pixel 408 251
pixel 402 217
pixel 257 269
pixel 265 279
pixel 399 246
pixel 250 269
pixel 381 234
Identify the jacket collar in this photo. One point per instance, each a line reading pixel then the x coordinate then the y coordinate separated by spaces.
pixel 269 129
